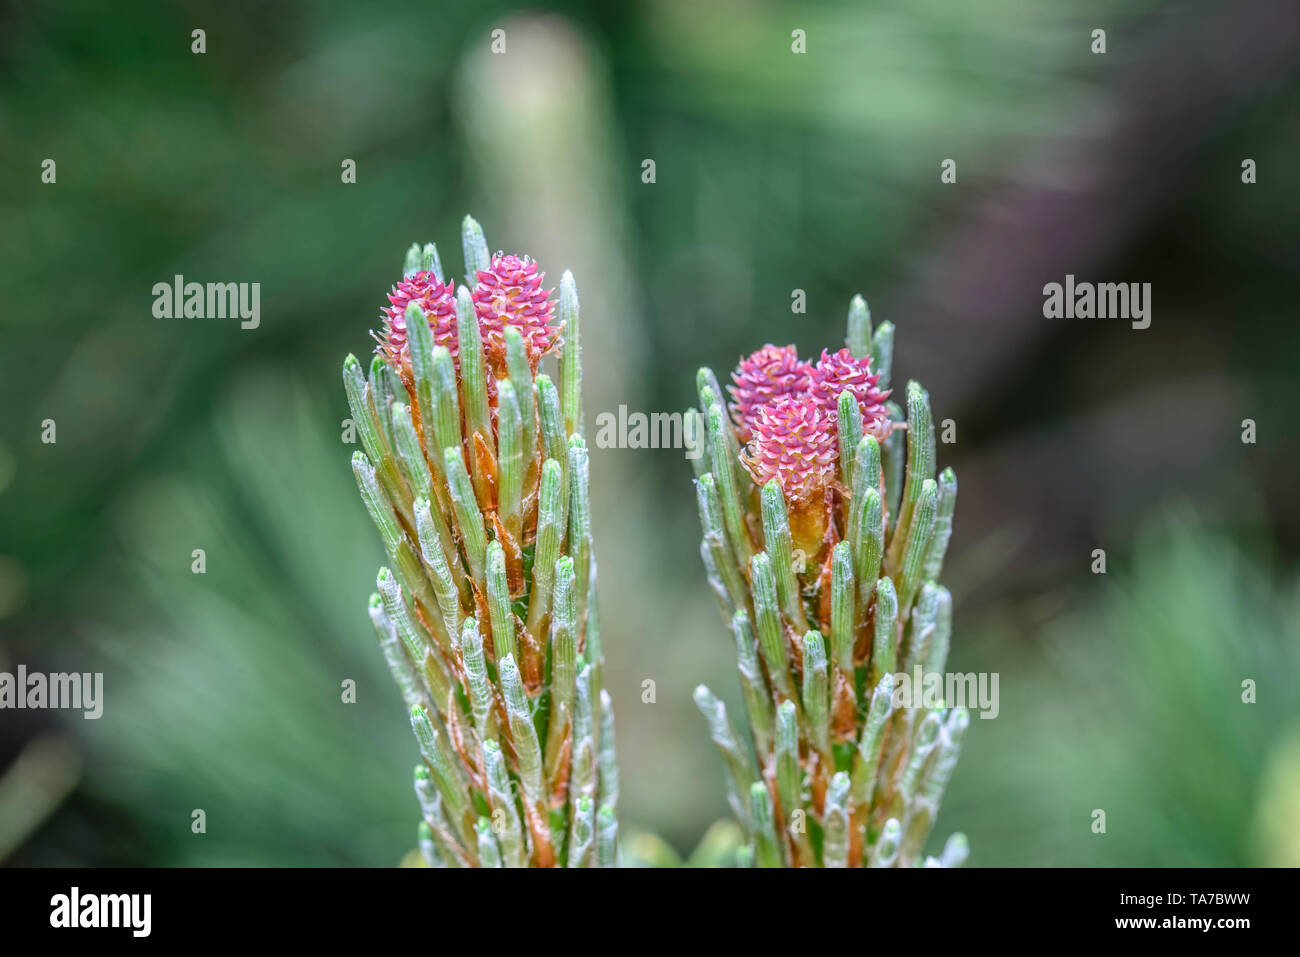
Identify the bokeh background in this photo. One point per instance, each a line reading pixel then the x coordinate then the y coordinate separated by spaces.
pixel 774 171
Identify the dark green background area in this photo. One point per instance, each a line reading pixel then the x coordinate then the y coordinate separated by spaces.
pixel 774 171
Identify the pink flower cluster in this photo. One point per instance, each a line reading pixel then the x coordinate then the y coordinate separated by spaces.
pixel 794 442
pixel 508 293
pixel 787 410
pixel 438 301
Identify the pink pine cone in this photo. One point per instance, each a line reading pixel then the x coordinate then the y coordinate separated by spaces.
pixel 838 371
pixel 438 301
pixel 794 442
pixel 509 293
pixel 763 377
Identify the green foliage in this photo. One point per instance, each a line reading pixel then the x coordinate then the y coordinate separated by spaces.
pixel 1137 704
pixel 488 618
pixel 844 776
pixel 224 687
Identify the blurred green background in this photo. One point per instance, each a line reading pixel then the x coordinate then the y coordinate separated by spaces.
pixel 775 171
